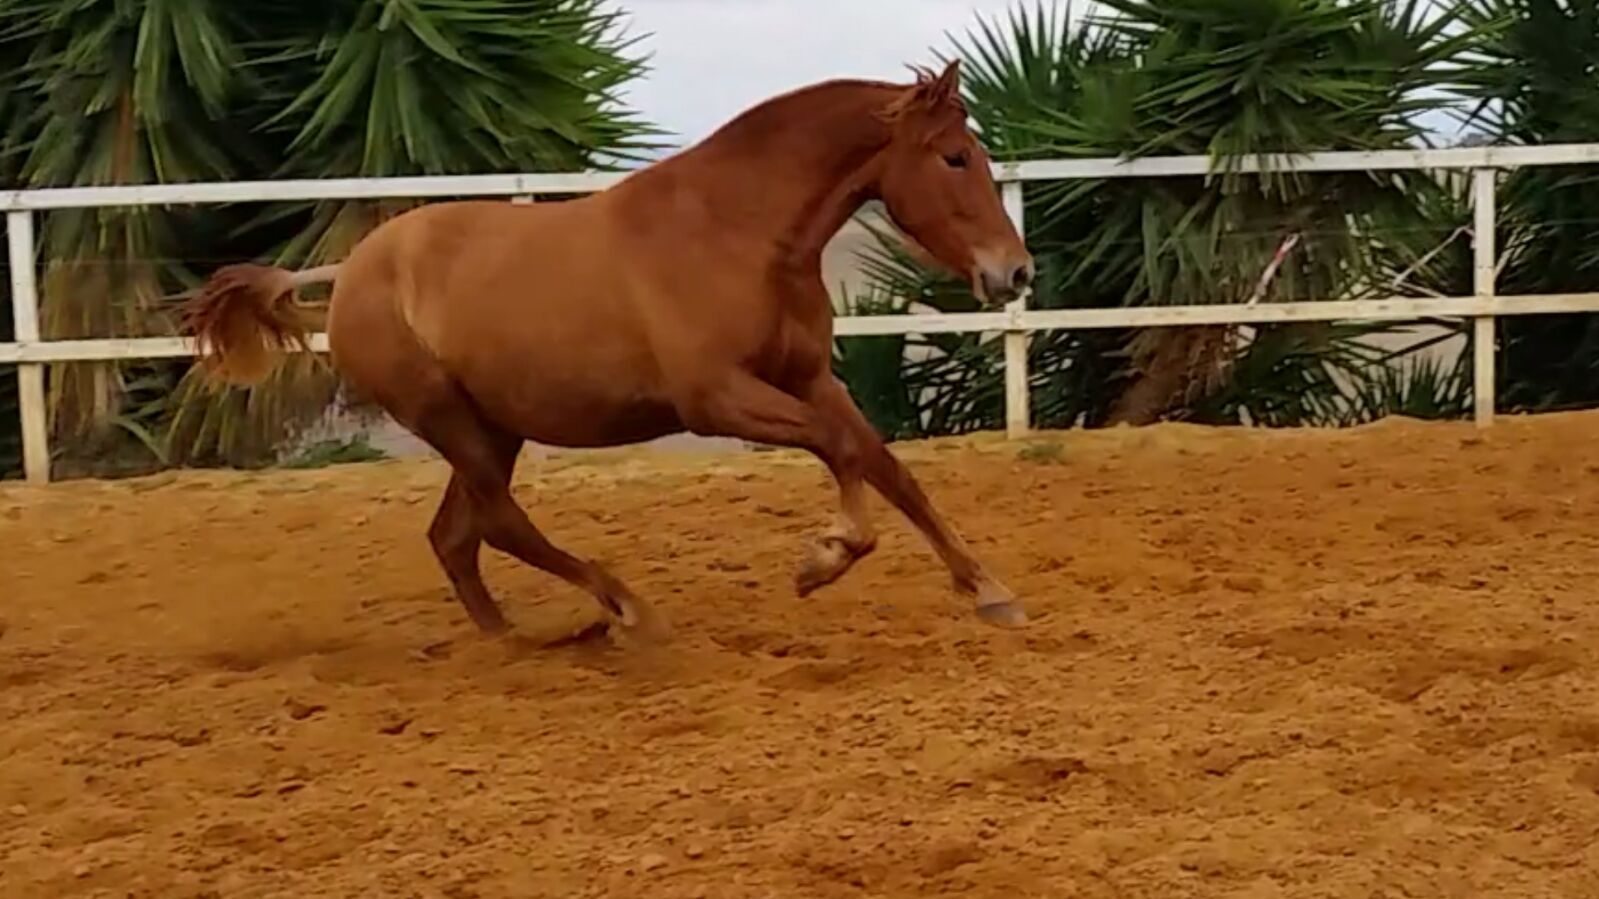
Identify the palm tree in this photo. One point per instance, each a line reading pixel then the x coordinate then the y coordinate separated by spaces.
pixel 10 416
pixel 144 91
pixel 409 87
pixel 108 92
pixel 1542 91
pixel 1219 79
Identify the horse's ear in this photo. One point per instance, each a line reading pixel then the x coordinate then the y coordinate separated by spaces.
pixel 923 74
pixel 947 85
pixel 929 93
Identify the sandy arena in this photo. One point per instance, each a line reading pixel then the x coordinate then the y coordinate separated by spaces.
pixel 1355 664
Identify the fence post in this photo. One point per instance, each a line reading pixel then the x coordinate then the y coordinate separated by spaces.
pixel 25 329
pixel 1485 262
pixel 1017 412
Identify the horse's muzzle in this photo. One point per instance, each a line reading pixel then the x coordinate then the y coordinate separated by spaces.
pixel 1002 284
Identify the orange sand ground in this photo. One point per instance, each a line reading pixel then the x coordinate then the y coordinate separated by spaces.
pixel 1357 664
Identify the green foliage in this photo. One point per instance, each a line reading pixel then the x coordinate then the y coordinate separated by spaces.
pixel 10 411
pixel 324 453
pixel 442 87
pixel 1041 452
pixel 1228 78
pixel 1418 386
pixel 159 91
pixel 1544 91
pixel 10 417
pixel 871 366
pixel 112 92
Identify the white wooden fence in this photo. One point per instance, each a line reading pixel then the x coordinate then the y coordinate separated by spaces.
pixel 31 353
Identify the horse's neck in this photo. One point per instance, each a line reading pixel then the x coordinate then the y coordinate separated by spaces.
pixel 803 225
pixel 793 178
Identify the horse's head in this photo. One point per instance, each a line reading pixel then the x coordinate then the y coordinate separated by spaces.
pixel 937 187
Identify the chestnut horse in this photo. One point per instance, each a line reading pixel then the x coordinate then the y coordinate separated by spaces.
pixel 686 297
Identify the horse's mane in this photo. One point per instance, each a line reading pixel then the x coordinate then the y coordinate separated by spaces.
pixel 856 101
pixel 832 124
pixel 787 109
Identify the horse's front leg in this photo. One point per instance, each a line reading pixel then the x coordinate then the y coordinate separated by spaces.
pixel 851 538
pixel 826 421
pixel 750 409
pixel 872 461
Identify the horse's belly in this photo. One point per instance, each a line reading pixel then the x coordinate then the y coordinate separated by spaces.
pixel 566 415
pixel 559 372
pixel 614 427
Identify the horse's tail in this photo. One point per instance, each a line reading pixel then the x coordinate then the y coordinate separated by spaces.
pixel 246 316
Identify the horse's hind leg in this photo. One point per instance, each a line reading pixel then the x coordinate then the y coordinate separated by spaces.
pixel 456 541
pixel 446 419
pixel 381 359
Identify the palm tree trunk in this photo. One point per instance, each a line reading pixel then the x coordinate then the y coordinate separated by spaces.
pixel 1172 366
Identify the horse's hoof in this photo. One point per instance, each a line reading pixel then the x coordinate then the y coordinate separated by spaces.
pixel 1008 614
pixel 493 629
pixel 998 606
pixel 828 561
pixel 810 579
pixel 642 623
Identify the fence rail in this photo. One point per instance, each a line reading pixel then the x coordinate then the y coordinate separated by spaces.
pixel 30 353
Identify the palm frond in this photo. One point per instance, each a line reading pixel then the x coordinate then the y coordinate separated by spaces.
pixel 1234 79
pixel 1542 90
pixel 113 92
pixel 411 87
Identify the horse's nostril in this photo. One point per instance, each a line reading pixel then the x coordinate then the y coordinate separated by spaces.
pixel 1005 283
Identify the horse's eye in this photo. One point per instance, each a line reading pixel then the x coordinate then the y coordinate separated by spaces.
pixel 956 161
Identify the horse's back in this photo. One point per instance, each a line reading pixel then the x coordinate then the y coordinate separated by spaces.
pixel 475 265
pixel 523 306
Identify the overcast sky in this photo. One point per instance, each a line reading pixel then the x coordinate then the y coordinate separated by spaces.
pixel 710 59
